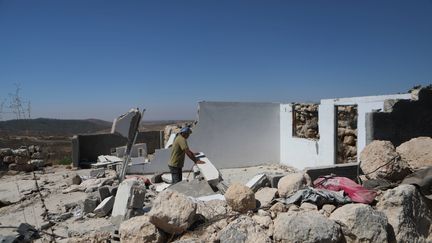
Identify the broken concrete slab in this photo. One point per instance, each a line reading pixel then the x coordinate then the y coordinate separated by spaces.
pixel 208 170
pixel 258 182
pixel 121 202
pixel 265 196
pixel 137 198
pixel 194 188
pixel 274 178
pixel 105 207
pixel 349 170
pixel 104 192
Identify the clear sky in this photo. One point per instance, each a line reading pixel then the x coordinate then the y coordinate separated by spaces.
pixel 98 59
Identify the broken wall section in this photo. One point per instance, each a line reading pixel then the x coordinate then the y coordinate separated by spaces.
pixel 402 120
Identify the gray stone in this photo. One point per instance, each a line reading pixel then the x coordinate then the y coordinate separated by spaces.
pixel 308 206
pixel 194 188
pixel 172 212
pixel 361 223
pixel 265 196
pixel 213 209
pixel 291 183
pixel 97 173
pixel 240 198
pixel 139 229
pixel 274 178
pixel 6 152
pixel 157 177
pixel 306 227
pixel 37 155
pixel 90 204
pixel 104 192
pixel 379 160
pixel 327 209
pixel 243 229
pixel 105 207
pixel 137 198
pixel 113 190
pixel 75 180
pixel 408 214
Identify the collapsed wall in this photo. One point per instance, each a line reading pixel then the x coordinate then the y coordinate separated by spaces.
pixel 402 119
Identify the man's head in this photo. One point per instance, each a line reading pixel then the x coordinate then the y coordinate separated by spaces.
pixel 185 132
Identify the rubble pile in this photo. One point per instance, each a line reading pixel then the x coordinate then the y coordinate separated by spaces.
pixel 306 120
pixel 347 133
pixel 25 158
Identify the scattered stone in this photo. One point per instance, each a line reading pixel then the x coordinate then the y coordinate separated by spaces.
pixel 213 209
pixel 72 188
pixel 305 227
pixel 69 206
pixel 63 216
pixel 257 182
pixel 240 198
pixel 361 223
pixel 90 204
pixel 417 152
pixel 274 178
pixel 157 177
pixel 104 192
pixel 138 197
pixel 291 183
pixel 105 207
pixel 167 178
pixel 139 229
pixel 172 212
pixel 265 196
pixel 97 173
pixel 264 221
pixel 122 202
pixel 327 209
pixel 407 213
pixel 308 206
pixel 379 160
pixel 75 179
pixel 46 225
pixel 262 213
pixel 243 229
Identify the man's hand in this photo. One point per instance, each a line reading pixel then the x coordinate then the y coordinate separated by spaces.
pixel 200 162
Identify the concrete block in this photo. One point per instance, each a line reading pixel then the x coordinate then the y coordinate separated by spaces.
pixel 194 188
pixel 208 170
pixel 137 198
pixel 167 178
pixel 104 192
pixel 258 182
pixel 105 207
pixel 90 204
pixel 274 178
pixel 97 173
pixel 121 202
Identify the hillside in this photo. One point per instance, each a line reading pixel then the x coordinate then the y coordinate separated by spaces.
pixel 52 127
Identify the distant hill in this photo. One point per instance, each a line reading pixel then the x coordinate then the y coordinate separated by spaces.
pixel 52 127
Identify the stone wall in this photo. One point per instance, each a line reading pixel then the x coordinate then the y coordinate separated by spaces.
pixel 347 134
pixel 305 122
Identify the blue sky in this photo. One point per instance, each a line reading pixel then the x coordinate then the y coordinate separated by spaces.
pixel 97 59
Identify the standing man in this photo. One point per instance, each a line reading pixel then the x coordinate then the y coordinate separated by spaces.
pixel 179 149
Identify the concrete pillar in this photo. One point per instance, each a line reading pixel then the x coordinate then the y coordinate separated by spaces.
pixel 328 131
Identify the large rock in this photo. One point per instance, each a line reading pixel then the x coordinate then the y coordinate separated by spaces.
pixel 291 183
pixel 213 209
pixel 306 227
pixel 361 223
pixel 265 196
pixel 417 152
pixel 243 230
pixel 408 214
pixel 379 160
pixel 240 198
pixel 139 229
pixel 172 212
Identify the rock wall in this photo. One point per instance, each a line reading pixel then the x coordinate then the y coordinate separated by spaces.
pixel 306 121
pixel 347 134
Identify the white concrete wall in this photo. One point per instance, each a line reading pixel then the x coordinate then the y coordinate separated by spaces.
pixel 230 134
pixel 296 152
pixel 328 132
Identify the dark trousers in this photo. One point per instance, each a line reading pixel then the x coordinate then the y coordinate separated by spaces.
pixel 176 174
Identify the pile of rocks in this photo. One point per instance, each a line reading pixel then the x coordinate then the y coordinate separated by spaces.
pixel 306 120
pixel 264 216
pixel 22 159
pixel 347 133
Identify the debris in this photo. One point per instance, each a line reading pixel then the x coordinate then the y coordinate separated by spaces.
pixel 97 173
pixel 27 233
pixel 309 226
pixel 258 182
pixel 90 204
pixel 265 196
pixel 422 179
pixel 417 152
pixel 379 160
pixel 327 209
pixel 291 183
pixel 104 192
pixel 167 178
pixel 193 188
pixel 136 201
pixel 405 207
pixel 355 192
pixel 212 210
pixel 211 197
pixel 139 229
pixel 316 196
pixel 349 170
pixel 274 178
pixel 172 212
pixel 240 198
pixel 361 223
pixel 308 206
pixel 157 177
pixel 105 207
pixel 75 180
pixel 243 229
pixel 121 203
pixel 208 170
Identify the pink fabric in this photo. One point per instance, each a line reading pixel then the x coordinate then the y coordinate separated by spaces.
pixel 356 192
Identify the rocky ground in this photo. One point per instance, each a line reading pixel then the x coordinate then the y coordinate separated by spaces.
pixel 283 206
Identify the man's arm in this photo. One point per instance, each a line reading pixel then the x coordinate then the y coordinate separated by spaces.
pixel 191 155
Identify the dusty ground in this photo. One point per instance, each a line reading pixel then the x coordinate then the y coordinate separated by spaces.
pixel 26 205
